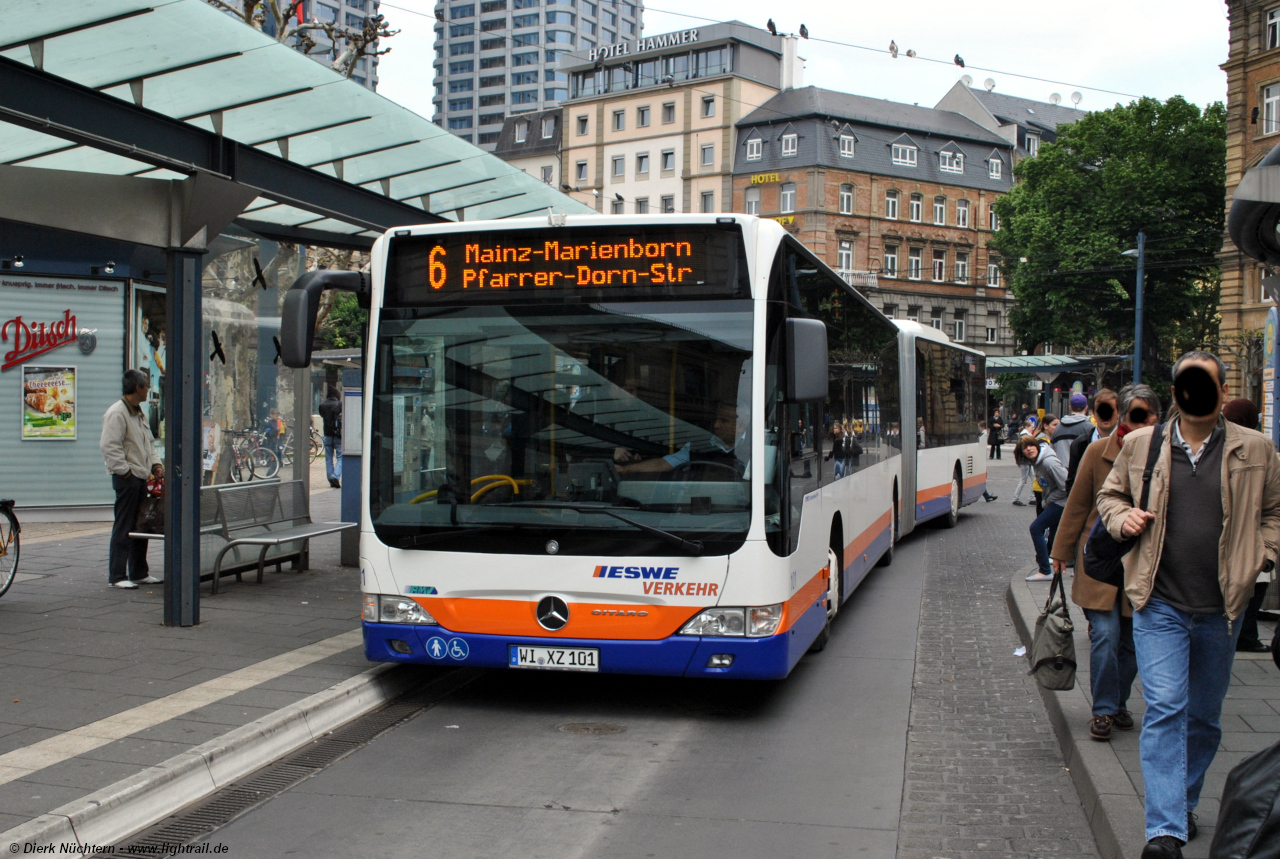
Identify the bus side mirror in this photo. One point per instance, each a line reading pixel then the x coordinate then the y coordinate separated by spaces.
pixel 806 341
pixel 302 304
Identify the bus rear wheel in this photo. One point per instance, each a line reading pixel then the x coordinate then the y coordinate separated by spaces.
pixel 953 513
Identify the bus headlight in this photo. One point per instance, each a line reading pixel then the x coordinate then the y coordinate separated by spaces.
pixel 370 611
pixel 402 610
pixel 763 620
pixel 717 621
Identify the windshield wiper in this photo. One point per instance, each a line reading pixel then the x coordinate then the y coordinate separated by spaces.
pixel 693 547
pixel 411 542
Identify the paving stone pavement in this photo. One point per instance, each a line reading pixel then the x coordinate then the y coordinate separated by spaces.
pixel 73 651
pixel 984 772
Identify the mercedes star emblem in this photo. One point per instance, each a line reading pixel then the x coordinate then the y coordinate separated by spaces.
pixel 552 547
pixel 553 613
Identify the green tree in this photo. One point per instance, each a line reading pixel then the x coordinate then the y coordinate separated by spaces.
pixel 346 322
pixel 1151 166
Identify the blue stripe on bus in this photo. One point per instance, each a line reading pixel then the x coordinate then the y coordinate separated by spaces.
pixel 856 570
pixel 933 509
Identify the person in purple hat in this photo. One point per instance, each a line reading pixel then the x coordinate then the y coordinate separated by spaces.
pixel 1072 427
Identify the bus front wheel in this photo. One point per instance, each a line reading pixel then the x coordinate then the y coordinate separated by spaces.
pixel 833 600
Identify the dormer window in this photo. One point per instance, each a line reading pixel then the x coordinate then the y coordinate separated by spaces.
pixel 905 155
pixel 951 162
pixel 522 132
pixel 846 146
pixel 1033 145
pixel 995 168
pixel 790 144
pixel 548 128
pixel 755 148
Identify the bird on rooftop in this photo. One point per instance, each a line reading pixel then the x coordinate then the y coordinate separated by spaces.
pixel 959 61
pixel 893 49
pixel 772 28
pixel 804 31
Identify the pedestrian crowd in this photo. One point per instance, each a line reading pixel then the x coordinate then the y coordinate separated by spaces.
pixel 1198 562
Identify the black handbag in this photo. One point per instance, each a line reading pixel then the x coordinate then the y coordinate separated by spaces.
pixel 1249 818
pixel 1104 554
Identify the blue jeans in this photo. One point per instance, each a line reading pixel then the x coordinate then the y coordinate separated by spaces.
pixel 1185 664
pixel 333 457
pixel 1044 523
pixel 1112 663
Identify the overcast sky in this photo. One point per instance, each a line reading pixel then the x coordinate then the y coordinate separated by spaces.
pixel 1136 47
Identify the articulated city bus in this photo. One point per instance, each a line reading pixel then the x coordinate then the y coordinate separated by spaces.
pixel 610 444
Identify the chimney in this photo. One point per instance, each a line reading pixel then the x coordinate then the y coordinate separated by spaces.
pixel 792 63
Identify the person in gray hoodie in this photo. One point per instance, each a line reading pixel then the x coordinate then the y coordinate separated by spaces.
pixel 1052 475
pixel 1072 427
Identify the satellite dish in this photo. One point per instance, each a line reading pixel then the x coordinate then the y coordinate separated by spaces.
pixel 968 79
pixel 990 84
pixel 1075 98
pixel 1054 98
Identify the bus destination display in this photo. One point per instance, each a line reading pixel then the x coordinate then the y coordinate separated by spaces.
pixel 608 263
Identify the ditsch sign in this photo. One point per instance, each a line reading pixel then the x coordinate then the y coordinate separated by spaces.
pixel 36 338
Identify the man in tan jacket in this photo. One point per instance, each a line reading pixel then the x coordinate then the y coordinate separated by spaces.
pixel 1112 665
pixel 129 453
pixel 1212 524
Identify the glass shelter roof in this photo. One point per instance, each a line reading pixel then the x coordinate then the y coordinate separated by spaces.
pixel 189 62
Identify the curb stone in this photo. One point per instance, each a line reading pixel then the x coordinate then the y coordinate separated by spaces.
pixel 111 815
pixel 1111 802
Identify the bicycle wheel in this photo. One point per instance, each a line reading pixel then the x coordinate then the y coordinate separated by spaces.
pixel 286 450
pixel 241 469
pixel 265 463
pixel 317 446
pixel 8 549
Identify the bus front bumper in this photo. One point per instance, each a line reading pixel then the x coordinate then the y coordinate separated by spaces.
pixel 677 656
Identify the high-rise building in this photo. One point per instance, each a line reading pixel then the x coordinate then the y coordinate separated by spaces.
pixel 345 13
pixel 496 58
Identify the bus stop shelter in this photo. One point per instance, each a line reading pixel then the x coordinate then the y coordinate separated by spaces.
pixel 166 123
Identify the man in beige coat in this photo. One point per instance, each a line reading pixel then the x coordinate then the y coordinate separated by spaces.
pixel 1112 665
pixel 129 453
pixel 1212 523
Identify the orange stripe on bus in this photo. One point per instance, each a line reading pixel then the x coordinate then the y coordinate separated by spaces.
pixel 923 495
pixel 802 600
pixel 864 540
pixel 976 480
pixel 518 617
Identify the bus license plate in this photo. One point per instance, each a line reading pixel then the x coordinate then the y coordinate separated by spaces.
pixel 555 658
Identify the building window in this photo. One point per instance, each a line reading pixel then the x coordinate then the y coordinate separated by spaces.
pixel 493 24
pixel 492 81
pixel 709 155
pixel 642 163
pixel 548 127
pixel 789 145
pixel 668 113
pixel 708 202
pixel 525 21
pixel 915 208
pixel 462 48
pixel 522 132
pixel 522 78
pixel 940 210
pixel 462 11
pixel 846 199
pixel 708 105
pixel 493 6
pixel 957 327
pixel 494 101
pixel 456 104
pixel 904 155
pixel 788 198
pixel 462 67
pixel 913 313
pixel 619 120
pixel 668 159
pixel 618 207
pixel 464 85
pixel 1048 348
pixel 962 213
pixel 995 168
pixel 668 204
pixel 993 220
pixel 752 200
pixel 642 117
pixel 492 44
pixel 491 118
pixel 581 171
pixel 844 257
pixel 993 274
pixel 583 125
pixel 962 268
pixel 619 166
pixel 939 266
pixel 950 162
pixel 846 146
pixel 1273 29
pixel 915 262
pixel 456 31
pixel 1271 109
pixel 1033 144
pixel 492 62
pixel 891 311
pixel 890 260
pixel 993 327
pixel 528 96
pixel 935 318
pixel 547 174
pixel 456 122
pixel 891 205
pixel 755 148
pixel 642 205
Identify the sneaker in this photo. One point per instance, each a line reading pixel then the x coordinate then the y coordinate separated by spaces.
pixel 1163 847
pixel 149 580
pixel 124 583
pixel 1017 503
pixel 1038 577
pixel 1192 829
pixel 990 498
pixel 1100 728
pixel 1122 720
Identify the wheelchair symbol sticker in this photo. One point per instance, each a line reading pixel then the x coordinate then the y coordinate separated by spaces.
pixel 458 648
pixel 436 647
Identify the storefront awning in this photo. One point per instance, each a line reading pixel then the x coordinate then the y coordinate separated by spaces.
pixel 1049 363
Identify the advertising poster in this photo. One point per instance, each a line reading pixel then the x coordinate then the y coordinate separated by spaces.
pixel 48 402
pixel 148 352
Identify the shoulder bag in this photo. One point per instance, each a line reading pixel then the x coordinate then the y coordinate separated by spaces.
pixel 1104 554
pixel 1053 648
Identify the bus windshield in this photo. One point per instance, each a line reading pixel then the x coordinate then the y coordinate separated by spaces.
pixel 521 425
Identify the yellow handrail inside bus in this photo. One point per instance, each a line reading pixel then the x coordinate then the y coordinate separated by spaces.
pixel 499 480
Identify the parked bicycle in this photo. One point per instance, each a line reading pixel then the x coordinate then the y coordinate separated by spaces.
pixel 286 447
pixel 317 444
pixel 9 531
pixel 250 458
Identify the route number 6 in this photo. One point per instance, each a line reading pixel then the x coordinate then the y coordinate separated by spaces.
pixel 436 271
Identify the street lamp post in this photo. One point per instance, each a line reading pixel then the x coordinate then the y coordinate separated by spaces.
pixel 1137 309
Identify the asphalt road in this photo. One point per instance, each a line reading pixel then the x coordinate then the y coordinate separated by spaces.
pixel 811 766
